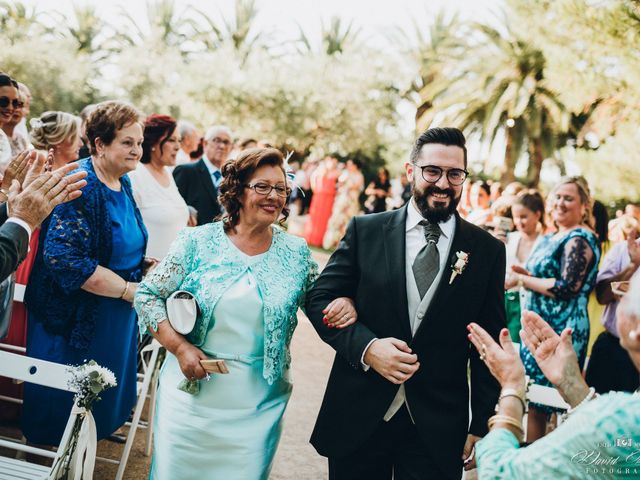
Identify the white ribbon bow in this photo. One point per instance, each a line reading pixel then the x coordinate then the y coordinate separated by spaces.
pixel 83 460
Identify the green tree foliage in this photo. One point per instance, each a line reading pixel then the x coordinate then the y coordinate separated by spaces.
pixel 593 63
pixel 559 80
pixel 56 79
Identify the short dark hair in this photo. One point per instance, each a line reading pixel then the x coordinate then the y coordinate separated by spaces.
pixel 236 174
pixel 157 129
pixel 107 118
pixel 7 81
pixel 444 136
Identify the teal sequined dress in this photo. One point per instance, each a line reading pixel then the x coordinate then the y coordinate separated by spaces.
pixel 229 427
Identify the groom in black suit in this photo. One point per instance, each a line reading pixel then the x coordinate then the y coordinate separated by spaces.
pixel 397 399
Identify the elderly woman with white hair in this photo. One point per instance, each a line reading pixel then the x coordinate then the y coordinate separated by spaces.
pixel 198 182
pixel 601 436
pixel 189 139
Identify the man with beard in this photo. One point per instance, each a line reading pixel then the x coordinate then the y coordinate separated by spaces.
pixel 397 400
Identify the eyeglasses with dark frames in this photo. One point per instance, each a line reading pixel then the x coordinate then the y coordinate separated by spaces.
pixel 6 101
pixel 265 189
pixel 433 173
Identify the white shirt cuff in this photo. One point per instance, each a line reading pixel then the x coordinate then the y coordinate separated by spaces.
pixel 366 367
pixel 23 224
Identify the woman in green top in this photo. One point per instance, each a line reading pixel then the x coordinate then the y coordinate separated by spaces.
pixel 600 439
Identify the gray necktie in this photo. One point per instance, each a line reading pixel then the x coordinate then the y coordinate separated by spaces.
pixel 427 262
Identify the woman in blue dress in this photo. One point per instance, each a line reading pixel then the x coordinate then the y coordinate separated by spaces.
pixel 249 277
pixel 89 261
pixel 560 275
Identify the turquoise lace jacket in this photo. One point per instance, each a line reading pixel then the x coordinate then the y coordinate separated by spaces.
pixel 600 440
pixel 201 262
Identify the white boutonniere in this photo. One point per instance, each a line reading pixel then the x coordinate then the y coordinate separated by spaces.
pixel 462 258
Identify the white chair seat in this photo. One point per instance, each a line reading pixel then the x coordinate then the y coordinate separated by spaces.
pixel 12 469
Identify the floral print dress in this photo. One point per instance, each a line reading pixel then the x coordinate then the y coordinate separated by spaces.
pixel 572 259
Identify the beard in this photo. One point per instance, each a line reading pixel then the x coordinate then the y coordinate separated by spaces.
pixel 438 212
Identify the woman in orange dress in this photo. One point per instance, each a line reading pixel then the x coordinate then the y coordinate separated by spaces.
pixel 323 185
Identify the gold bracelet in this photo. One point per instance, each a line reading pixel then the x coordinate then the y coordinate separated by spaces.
pixel 510 392
pixel 506 419
pixel 125 291
pixel 520 280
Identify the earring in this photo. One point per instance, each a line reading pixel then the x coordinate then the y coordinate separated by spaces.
pixel 633 335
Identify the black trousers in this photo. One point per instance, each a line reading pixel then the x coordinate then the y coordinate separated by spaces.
pixel 610 368
pixel 395 450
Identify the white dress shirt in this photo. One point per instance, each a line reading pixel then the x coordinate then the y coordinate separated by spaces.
pixel 414 241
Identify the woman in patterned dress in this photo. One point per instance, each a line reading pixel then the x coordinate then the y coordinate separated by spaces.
pixel 559 276
pixel 347 204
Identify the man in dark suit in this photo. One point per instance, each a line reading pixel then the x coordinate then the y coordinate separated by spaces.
pixel 198 182
pixel 397 399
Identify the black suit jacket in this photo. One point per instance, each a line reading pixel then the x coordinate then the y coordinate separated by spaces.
pixel 14 243
pixel 196 187
pixel 369 266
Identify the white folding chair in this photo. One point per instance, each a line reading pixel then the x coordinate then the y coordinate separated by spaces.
pixel 44 373
pixel 146 379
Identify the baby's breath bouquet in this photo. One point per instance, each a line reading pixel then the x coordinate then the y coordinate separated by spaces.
pixel 88 381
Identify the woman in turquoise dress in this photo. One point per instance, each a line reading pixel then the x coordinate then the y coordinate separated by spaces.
pixel 79 296
pixel 601 435
pixel 249 277
pixel 560 274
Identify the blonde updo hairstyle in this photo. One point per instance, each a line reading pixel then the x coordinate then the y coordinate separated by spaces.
pixel 585 197
pixel 53 128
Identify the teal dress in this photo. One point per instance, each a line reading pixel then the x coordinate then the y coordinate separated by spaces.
pixel 230 426
pixel 600 440
pixel 565 258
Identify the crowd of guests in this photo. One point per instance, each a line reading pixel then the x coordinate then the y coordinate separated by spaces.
pixel 143 179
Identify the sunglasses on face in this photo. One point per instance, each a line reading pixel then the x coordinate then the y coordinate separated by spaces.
pixel 14 102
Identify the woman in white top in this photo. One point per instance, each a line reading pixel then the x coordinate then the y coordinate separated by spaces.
pixel 163 209
pixel 527 211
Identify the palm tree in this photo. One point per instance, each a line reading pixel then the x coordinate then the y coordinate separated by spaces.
pixel 88 30
pixel 238 31
pixel 165 27
pixel 432 49
pixel 18 21
pixel 335 37
pixel 503 88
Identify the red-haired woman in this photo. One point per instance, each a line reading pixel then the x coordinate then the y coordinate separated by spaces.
pixel 163 210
